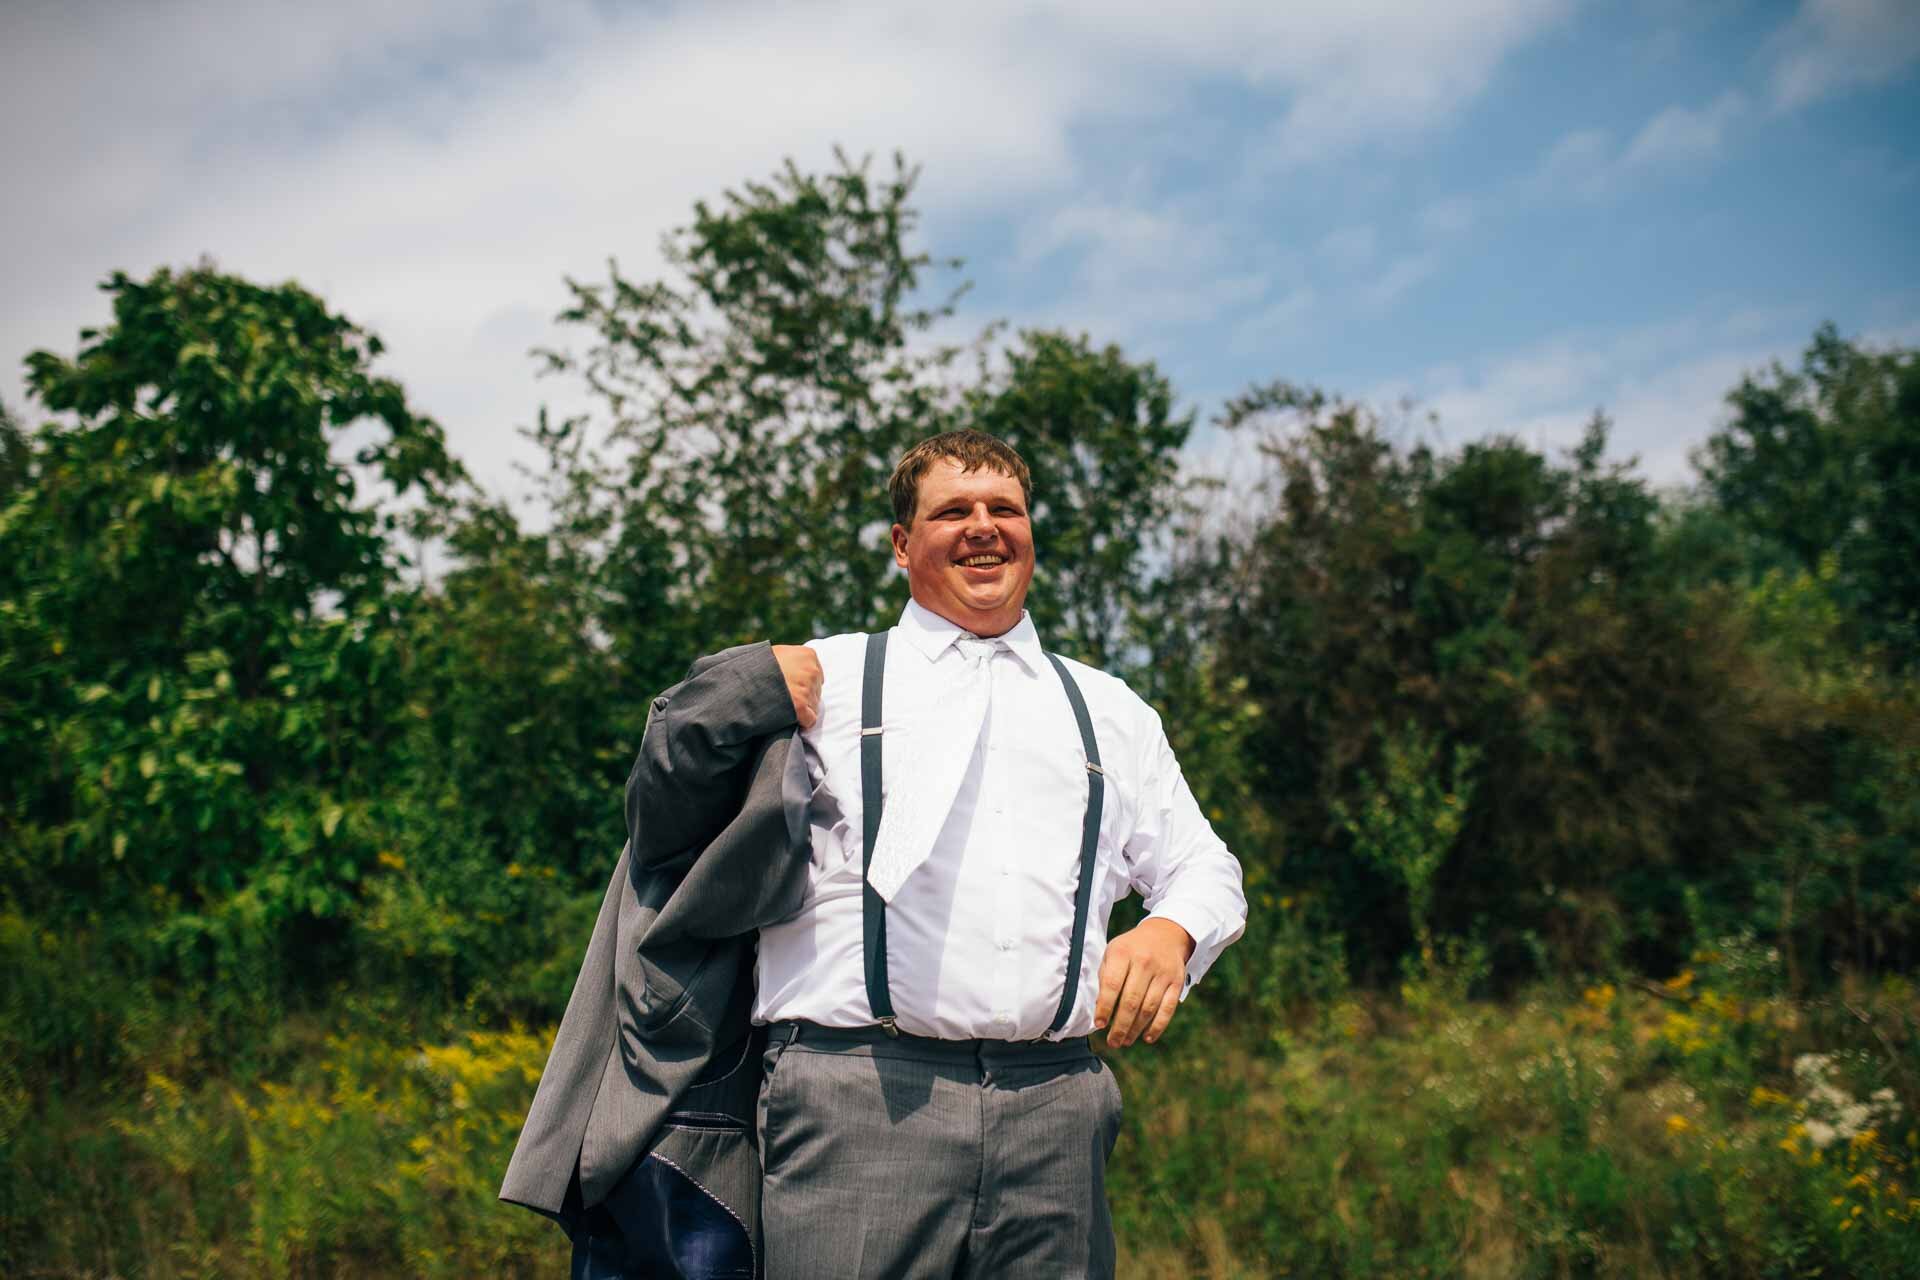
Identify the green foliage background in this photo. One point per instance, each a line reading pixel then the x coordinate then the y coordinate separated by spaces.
pixel 1576 817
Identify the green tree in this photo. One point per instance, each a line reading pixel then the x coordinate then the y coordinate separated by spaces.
pixel 1408 824
pixel 522 699
pixel 1832 883
pixel 1100 435
pixel 755 404
pixel 200 677
pixel 1826 460
pixel 14 453
pixel 1519 608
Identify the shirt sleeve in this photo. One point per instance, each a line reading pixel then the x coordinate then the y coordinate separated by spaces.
pixel 1180 868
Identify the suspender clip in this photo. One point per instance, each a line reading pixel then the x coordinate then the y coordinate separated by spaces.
pixel 1094 768
pixel 886 1025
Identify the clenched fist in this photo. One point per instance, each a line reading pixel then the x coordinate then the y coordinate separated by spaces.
pixel 801 666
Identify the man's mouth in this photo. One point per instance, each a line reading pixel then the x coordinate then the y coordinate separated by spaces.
pixel 982 562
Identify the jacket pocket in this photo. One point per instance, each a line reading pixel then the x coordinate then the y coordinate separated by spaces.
pixel 685 983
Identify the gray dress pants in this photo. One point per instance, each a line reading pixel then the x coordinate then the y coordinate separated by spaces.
pixel 886 1158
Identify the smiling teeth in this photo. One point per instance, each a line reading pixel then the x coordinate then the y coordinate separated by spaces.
pixel 974 562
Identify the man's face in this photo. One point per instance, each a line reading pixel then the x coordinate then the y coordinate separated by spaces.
pixel 969 551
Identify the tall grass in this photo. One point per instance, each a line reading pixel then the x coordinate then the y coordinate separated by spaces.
pixel 1705 1126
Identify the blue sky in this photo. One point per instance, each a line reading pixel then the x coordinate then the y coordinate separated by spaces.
pixel 1510 211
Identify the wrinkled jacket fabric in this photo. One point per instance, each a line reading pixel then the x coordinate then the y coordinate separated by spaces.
pixel 717 845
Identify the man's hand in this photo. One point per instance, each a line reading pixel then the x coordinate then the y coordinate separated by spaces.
pixel 1140 981
pixel 801 666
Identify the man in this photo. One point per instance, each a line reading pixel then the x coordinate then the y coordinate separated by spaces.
pixel 930 1106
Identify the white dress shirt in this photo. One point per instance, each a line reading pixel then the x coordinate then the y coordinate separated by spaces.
pixel 977 936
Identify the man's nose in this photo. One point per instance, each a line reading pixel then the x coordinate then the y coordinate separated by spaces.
pixel 979 523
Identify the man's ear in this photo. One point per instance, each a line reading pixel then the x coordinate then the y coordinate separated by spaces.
pixel 899 535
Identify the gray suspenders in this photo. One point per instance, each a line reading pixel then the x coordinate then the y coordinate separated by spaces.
pixel 873 915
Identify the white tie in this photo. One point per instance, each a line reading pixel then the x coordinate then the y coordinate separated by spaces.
pixel 928 768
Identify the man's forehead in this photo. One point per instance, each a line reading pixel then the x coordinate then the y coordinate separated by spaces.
pixel 950 474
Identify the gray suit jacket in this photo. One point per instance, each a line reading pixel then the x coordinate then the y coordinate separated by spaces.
pixel 717 845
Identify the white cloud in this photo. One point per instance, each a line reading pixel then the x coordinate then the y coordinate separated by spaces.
pixel 428 215
pixel 1681 134
pixel 1351 71
pixel 1588 163
pixel 1274 324
pixel 1832 45
pixel 1663 385
pixel 1347 248
pixel 1448 216
pixel 1401 276
pixel 1140 273
pixel 433 169
pixel 1360 72
pixel 1580 161
pixel 1114 238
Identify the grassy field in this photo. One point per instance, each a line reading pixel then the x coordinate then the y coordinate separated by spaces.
pixel 1698 1127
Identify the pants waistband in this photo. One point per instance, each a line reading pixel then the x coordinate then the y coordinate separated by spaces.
pixel 905 1045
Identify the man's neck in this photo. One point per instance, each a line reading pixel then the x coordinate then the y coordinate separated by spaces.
pixel 985 626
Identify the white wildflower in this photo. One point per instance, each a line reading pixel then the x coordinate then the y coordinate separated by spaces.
pixel 1830 1113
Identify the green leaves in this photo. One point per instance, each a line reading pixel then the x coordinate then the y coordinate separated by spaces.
pixel 754 405
pixel 197 682
pixel 244 758
pixel 1514 606
pixel 1825 462
pixel 1099 433
pixel 1410 817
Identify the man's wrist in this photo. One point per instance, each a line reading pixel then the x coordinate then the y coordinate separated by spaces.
pixel 1178 928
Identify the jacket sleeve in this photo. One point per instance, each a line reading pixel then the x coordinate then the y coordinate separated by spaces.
pixel 697 750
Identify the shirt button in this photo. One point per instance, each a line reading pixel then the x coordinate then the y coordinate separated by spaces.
pixel 1006 944
pixel 1006 871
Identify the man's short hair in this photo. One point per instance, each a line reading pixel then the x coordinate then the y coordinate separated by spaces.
pixel 971 449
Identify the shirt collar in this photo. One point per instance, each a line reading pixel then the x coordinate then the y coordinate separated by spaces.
pixel 933 635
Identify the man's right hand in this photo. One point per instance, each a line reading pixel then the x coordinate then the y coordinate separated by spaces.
pixel 801 666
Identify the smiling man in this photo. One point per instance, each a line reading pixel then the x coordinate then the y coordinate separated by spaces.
pixel 930 1104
